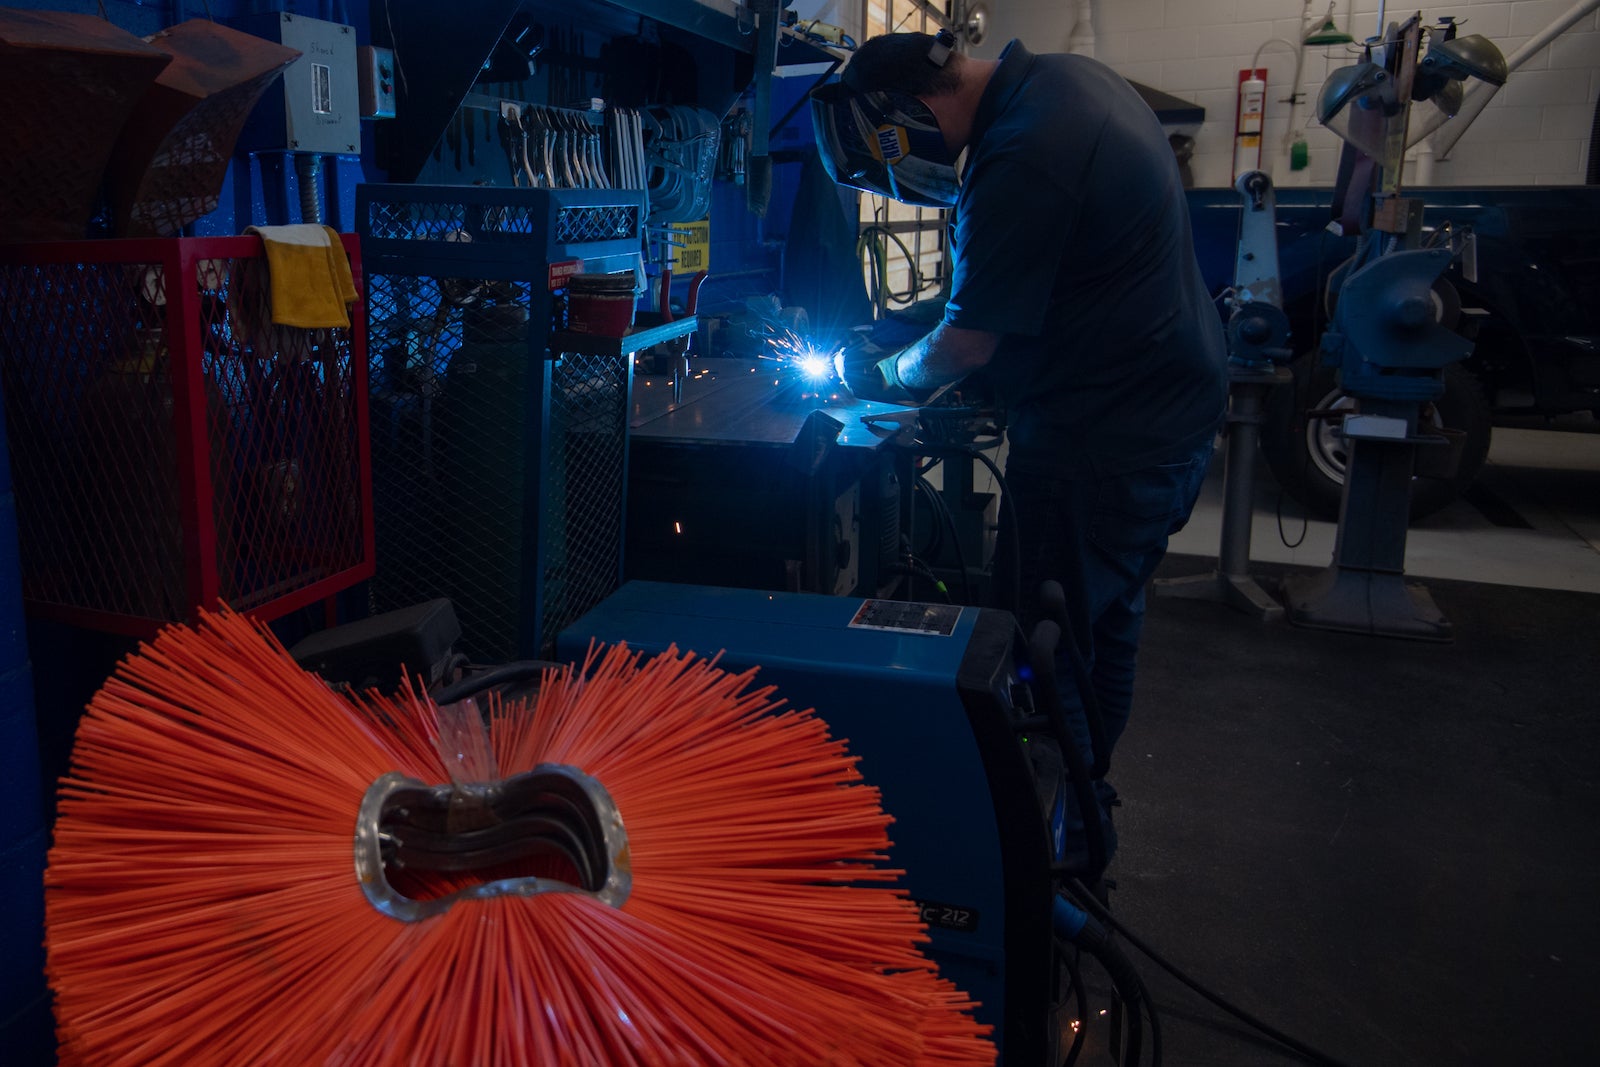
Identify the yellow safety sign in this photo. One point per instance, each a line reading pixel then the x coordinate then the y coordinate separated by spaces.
pixel 691 246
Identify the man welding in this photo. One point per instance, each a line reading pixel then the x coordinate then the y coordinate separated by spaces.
pixel 1075 292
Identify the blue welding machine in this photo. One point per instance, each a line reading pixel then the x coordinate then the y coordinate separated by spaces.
pixel 928 696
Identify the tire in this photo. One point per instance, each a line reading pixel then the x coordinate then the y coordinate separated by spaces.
pixel 1307 456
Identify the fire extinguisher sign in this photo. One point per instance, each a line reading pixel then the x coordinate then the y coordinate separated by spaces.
pixel 1248 121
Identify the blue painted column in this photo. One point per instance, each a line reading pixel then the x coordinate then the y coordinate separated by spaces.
pixel 26 1027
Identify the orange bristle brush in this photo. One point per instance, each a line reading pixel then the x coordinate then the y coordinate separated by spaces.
pixel 655 864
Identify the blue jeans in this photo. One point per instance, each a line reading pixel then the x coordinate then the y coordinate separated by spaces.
pixel 1101 538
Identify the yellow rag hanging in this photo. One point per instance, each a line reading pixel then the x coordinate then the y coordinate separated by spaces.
pixel 309 275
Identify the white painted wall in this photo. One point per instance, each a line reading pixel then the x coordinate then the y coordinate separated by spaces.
pixel 1535 131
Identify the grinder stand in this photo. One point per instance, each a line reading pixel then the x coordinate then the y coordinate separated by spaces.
pixel 1258 336
pixel 1231 583
pixel 1364 589
pixel 1391 352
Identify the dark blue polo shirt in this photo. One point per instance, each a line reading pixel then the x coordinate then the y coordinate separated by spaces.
pixel 1071 238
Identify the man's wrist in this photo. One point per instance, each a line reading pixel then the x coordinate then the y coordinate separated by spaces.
pixel 893 384
pixel 889 367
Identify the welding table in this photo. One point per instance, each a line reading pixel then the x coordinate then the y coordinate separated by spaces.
pixel 749 479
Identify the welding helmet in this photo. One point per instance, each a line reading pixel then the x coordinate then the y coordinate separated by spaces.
pixel 885 141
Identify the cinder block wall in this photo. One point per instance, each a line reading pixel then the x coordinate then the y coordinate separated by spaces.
pixel 1535 131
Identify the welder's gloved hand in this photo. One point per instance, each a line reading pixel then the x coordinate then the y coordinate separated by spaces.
pixel 868 371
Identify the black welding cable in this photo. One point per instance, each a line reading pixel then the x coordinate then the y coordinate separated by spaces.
pixel 1086 932
pixel 1153 1017
pixel 916 568
pixel 1086 899
pixel 1053 605
pixel 504 674
pixel 1069 956
pixel 1300 388
pixel 935 541
pixel 1010 507
pixel 879 260
pixel 947 520
pixel 961 556
pixel 1041 646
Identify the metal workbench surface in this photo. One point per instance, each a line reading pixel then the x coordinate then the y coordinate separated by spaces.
pixel 727 401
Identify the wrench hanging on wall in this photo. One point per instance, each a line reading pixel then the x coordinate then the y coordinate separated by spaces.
pixel 626 143
pixel 551 147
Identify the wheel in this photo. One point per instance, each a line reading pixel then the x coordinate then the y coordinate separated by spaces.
pixel 1308 456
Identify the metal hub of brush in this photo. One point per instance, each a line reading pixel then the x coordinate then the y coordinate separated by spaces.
pixel 457 829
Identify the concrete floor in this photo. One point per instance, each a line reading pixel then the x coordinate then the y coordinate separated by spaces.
pixel 1385 848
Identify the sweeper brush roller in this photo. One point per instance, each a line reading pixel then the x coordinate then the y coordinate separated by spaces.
pixel 657 862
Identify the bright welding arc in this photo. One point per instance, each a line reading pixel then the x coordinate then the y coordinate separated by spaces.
pixel 813 362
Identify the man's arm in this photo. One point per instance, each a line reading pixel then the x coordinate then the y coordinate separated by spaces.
pixel 918 373
pixel 945 356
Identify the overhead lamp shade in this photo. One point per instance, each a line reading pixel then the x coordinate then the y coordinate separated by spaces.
pixel 1329 34
pixel 1472 56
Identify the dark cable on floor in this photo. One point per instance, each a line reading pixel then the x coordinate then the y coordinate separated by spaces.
pixel 1085 931
pixel 504 674
pixel 1086 899
pixel 1225 1025
pixel 1305 523
pixel 1320 305
pixel 1069 956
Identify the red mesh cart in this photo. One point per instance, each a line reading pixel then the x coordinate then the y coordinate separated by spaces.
pixel 171 448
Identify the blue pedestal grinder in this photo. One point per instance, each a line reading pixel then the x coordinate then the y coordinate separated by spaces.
pixel 929 697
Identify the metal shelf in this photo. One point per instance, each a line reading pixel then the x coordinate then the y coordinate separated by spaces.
pixel 796 49
pixel 726 22
pixel 646 334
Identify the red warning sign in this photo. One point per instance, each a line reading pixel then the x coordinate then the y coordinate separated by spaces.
pixel 562 271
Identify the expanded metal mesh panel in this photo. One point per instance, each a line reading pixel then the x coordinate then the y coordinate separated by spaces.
pixel 89 414
pixel 499 467
pixel 492 486
pixel 389 220
pixel 287 495
pixel 588 441
pixel 392 220
pixel 449 444
pixel 170 446
pixel 578 224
